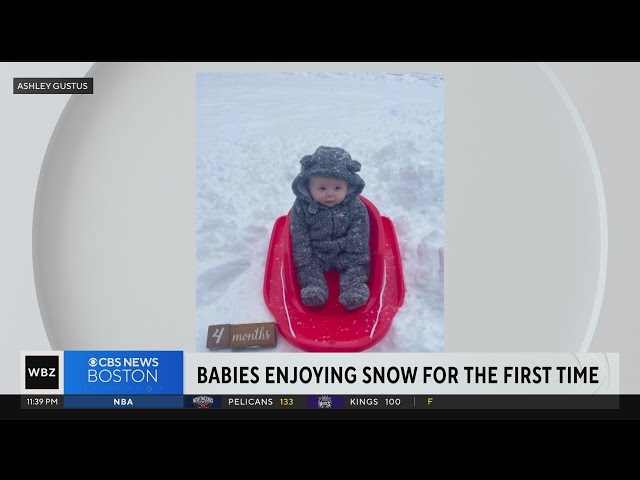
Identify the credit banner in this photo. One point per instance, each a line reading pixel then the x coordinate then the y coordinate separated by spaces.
pixel 52 86
pixel 402 373
pixel 123 372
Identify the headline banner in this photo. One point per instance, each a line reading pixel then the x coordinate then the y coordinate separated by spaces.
pixel 402 373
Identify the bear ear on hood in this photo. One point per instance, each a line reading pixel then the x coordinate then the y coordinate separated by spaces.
pixel 353 166
pixel 307 161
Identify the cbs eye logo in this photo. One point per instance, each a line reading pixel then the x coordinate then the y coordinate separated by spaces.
pixel 93 362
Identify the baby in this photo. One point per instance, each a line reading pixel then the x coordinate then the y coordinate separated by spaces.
pixel 330 228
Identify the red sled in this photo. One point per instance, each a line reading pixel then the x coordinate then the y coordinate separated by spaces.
pixel 333 328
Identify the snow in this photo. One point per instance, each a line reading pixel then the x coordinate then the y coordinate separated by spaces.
pixel 253 128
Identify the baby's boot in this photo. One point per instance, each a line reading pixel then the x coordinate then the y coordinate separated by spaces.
pixel 355 297
pixel 314 296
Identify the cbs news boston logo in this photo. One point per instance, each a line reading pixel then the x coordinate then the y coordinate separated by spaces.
pixel 123 372
pixel 102 372
pixel 123 369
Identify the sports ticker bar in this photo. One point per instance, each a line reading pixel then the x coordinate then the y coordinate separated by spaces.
pixel 320 402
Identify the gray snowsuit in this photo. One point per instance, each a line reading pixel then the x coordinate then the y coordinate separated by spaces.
pixel 330 238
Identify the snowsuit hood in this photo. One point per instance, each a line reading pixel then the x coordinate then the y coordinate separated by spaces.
pixel 331 162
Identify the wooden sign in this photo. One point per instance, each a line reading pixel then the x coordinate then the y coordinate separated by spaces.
pixel 244 335
pixel 218 336
pixel 253 335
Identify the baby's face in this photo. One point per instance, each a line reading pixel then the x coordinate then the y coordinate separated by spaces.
pixel 327 191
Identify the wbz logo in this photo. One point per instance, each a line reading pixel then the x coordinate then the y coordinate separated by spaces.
pixel 41 372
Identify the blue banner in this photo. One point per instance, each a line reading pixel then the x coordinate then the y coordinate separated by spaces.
pixel 123 372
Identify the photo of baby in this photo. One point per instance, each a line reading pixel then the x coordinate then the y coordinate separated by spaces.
pixel 330 228
pixel 310 145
